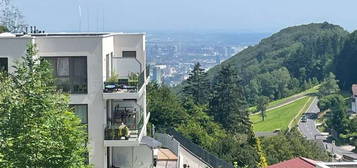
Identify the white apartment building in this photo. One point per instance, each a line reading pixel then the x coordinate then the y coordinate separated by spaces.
pixel 83 63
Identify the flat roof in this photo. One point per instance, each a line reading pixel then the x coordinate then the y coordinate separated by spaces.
pixel 166 155
pixel 64 34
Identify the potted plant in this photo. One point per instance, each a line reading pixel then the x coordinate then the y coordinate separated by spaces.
pixel 123 131
pixel 111 83
pixel 133 79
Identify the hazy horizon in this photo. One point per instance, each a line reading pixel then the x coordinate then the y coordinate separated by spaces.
pixel 233 16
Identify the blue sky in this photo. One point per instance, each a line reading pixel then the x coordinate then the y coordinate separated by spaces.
pixel 185 15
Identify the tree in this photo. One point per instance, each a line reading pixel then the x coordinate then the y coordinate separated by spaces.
pixel 165 107
pixel 11 17
pixel 37 127
pixel 197 85
pixel 337 120
pixel 3 29
pixel 263 102
pixel 327 102
pixel 346 61
pixel 199 126
pixel 227 104
pixel 329 86
pixel 288 145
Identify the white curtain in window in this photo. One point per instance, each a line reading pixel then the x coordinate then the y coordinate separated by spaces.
pixel 63 67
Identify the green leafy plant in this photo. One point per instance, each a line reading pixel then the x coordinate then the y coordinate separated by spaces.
pixel 113 77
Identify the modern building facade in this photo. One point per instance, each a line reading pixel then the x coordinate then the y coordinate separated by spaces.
pixel 105 75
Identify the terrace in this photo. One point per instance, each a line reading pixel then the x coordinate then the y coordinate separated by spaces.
pixel 125 121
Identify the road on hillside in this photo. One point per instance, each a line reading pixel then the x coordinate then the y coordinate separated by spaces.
pixel 309 130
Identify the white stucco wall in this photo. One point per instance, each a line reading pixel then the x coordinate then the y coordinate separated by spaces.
pixel 131 42
pixel 132 157
pixel 13 49
pixel 95 48
pixel 189 158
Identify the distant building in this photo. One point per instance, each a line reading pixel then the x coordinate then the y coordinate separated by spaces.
pixel 157 73
pixel 354 98
pixel 218 59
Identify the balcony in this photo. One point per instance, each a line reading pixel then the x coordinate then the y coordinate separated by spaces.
pixel 125 128
pixel 125 88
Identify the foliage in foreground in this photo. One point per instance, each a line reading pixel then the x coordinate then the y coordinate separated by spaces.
pixel 37 127
pixel 217 121
pixel 288 145
pixel 342 127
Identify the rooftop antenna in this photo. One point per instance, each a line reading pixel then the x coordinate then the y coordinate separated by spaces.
pixel 103 20
pixel 88 19
pixel 97 20
pixel 80 15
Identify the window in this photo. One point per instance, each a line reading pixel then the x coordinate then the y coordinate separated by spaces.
pixel 70 73
pixel 129 54
pixel 81 111
pixel 3 64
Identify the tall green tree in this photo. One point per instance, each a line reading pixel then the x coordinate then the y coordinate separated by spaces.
pixel 199 126
pixel 262 104
pixel 288 145
pixel 197 85
pixel 11 17
pixel 337 120
pixel 228 105
pixel 37 127
pixel 329 86
pixel 165 107
pixel 346 62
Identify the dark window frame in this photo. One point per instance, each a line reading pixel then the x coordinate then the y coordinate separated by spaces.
pixel 59 77
pixel 7 63
pixel 129 52
pixel 86 155
pixel 72 107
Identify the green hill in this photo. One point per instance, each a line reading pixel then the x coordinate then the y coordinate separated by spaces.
pixel 287 62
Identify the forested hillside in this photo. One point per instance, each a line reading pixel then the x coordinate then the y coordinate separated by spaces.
pixel 346 63
pixel 211 108
pixel 288 61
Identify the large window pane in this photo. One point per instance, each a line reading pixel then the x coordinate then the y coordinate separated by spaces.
pixel 129 54
pixel 3 64
pixel 70 73
pixel 81 110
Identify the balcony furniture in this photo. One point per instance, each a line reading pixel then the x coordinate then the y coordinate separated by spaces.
pixel 110 87
pixel 126 115
pixel 123 82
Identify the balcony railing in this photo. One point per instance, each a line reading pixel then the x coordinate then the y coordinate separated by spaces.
pixel 147 71
pixel 125 123
pixel 122 132
pixel 131 85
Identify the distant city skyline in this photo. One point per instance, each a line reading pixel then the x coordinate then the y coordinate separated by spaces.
pixel 184 15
